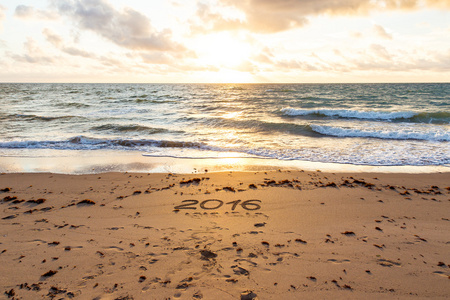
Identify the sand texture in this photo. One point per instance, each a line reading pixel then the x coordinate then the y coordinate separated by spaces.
pixel 230 235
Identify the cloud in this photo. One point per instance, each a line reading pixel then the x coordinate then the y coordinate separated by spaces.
pixel 381 32
pixel 58 42
pixel 285 14
pixel 370 58
pixel 265 56
pixel 156 58
pixel 52 37
pixel 378 58
pixel 267 60
pixel 399 4
pixel 439 3
pixel 34 54
pixel 269 16
pixel 2 14
pixel 438 62
pixel 297 64
pixel 77 52
pixel 380 51
pixel 356 34
pixel 127 28
pixel 210 20
pixel 247 66
pixel 29 12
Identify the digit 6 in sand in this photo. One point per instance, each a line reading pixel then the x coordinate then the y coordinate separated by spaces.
pixel 250 205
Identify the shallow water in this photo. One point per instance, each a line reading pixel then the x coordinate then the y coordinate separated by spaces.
pixel 358 124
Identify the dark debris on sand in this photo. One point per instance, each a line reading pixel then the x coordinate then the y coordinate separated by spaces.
pixel 348 233
pixel 9 198
pixel 190 181
pixel 86 202
pixel 229 189
pixel 38 201
pixel 10 217
pixel 127 297
pixel 206 254
pixel 49 273
pixel 10 293
pixel 248 295
pixel 301 241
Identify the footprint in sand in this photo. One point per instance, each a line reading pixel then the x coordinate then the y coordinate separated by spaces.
pixel 240 271
pixel 114 228
pixel 38 241
pixel 246 262
pixel 248 295
pixel 441 273
pixel 113 248
pixel 338 261
pixel 388 263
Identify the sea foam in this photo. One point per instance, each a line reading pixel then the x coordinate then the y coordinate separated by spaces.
pixel 397 133
pixel 352 114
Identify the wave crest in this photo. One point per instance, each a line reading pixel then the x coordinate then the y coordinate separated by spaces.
pixel 440 117
pixel 89 143
pixel 24 117
pixel 128 128
pixel 399 134
pixel 351 114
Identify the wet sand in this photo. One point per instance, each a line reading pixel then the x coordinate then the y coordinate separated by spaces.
pixel 228 235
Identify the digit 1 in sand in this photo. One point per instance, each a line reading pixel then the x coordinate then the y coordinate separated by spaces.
pixel 235 203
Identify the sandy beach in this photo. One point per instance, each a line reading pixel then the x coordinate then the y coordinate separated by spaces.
pixel 224 149
pixel 225 235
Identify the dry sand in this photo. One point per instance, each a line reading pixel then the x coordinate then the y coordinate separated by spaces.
pixel 230 235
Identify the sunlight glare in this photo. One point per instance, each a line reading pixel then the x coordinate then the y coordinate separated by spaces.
pixel 232 115
pixel 222 50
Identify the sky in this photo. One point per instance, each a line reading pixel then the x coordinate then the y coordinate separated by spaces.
pixel 225 41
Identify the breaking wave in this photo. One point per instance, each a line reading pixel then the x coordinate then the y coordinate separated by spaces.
pixel 408 116
pixel 399 134
pixel 89 143
pixel 128 128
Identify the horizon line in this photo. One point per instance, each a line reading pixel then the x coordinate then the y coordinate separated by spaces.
pixel 247 83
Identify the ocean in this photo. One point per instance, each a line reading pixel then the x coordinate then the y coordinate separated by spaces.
pixel 357 124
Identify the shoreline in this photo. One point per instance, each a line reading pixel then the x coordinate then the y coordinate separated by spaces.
pixel 98 162
pixel 225 235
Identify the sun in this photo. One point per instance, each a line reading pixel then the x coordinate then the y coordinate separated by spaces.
pixel 222 50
